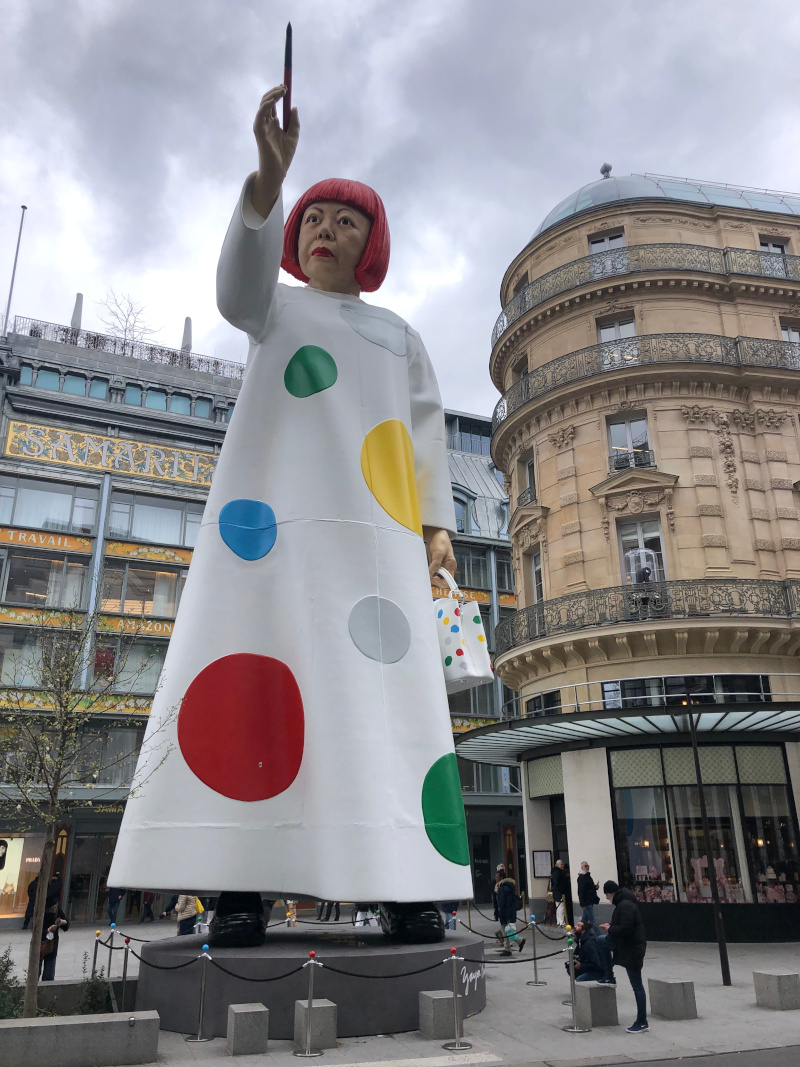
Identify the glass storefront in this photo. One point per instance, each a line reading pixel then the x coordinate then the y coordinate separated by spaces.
pixel 19 865
pixel 753 834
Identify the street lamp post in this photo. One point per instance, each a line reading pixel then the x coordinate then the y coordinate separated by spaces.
pixel 719 925
pixel 14 271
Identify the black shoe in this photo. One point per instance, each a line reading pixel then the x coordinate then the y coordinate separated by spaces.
pixel 238 921
pixel 521 943
pixel 413 924
pixel 639 1028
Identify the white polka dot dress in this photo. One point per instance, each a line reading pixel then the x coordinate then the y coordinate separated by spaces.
pixel 303 692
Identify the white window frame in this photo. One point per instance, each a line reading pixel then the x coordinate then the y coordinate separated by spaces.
pixel 790 333
pixel 621 524
pixel 626 420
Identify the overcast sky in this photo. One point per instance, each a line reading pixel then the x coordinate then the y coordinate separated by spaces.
pixel 127 130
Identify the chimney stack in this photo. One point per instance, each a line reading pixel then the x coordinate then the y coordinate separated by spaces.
pixel 186 343
pixel 77 312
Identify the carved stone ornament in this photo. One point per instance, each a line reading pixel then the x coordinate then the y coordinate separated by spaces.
pixel 562 438
pixel 771 419
pixel 695 415
pixel 672 220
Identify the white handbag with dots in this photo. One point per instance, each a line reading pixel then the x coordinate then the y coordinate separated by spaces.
pixel 462 641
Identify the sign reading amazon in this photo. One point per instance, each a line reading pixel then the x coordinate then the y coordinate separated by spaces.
pixel 52 444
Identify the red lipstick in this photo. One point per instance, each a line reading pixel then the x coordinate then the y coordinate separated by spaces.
pixel 322 252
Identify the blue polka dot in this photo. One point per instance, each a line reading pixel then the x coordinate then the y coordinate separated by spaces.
pixel 248 528
pixel 440 614
pixel 453 629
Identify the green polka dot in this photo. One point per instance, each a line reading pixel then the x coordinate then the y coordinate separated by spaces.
pixel 310 370
pixel 443 810
pixel 448 660
pixel 477 618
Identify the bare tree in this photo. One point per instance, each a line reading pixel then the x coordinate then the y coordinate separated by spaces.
pixel 124 318
pixel 56 729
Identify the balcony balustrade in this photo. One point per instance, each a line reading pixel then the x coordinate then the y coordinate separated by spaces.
pixel 614 356
pixel 651 603
pixel 169 357
pixel 527 496
pixel 636 259
pixel 621 461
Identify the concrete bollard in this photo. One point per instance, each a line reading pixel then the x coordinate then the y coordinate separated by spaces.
pixel 671 998
pixel 436 1013
pixel 248 1029
pixel 778 990
pixel 323 1023
pixel 595 1005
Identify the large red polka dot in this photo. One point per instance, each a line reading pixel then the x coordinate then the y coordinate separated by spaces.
pixel 241 726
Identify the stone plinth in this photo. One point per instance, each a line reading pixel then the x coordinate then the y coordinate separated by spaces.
pixel 778 990
pixel 248 1029
pixel 323 1023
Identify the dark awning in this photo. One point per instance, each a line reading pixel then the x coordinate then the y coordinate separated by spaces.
pixel 504 742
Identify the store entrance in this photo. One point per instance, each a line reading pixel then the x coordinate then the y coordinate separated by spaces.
pixel 88 891
pixel 481 868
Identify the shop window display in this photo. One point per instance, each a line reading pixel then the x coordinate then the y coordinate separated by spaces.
pixel 644 844
pixel 19 865
pixel 694 870
pixel 771 842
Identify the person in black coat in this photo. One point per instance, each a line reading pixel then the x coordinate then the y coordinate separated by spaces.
pixel 587 894
pixel 626 938
pixel 32 887
pixel 54 920
pixel 588 964
pixel 505 892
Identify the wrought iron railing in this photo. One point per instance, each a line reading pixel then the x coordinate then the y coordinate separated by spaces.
pixel 170 357
pixel 621 461
pixel 527 496
pixel 652 602
pixel 612 356
pixel 635 259
pixel 762 264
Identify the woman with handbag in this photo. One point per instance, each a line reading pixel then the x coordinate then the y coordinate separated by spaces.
pixel 313 750
pixel 54 921
pixel 186 913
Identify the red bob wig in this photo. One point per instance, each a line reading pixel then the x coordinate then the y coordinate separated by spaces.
pixel 374 261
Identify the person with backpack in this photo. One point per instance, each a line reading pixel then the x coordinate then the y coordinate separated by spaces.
pixel 508 903
pixel 587 893
pixel 625 937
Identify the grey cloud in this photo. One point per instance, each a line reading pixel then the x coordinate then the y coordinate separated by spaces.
pixel 471 119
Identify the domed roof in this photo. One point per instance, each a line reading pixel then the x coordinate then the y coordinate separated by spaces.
pixel 657 187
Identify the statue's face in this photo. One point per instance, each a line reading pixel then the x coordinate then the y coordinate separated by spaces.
pixel 331 241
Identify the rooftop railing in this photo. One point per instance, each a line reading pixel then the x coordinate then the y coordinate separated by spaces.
pixel 649 602
pixel 635 259
pixel 101 342
pixel 613 356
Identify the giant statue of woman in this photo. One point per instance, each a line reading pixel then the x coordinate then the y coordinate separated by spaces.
pixel 313 753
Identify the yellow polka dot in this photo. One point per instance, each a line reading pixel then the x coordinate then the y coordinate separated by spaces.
pixel 445 622
pixel 387 463
pixel 481 637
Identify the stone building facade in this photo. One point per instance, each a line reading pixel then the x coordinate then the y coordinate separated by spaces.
pixel 648 356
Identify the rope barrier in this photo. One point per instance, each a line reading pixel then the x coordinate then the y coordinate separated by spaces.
pixel 245 978
pixel 405 974
pixel 522 959
pixel 161 967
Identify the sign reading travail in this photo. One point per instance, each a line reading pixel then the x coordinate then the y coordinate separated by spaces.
pixel 96 452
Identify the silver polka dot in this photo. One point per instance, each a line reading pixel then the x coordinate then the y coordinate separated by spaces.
pixel 379 629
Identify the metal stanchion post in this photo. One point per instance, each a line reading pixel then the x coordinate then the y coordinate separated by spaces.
pixel 535 961
pixel 124 972
pixel 94 954
pixel 204 956
pixel 111 949
pixel 308 1051
pixel 458 1045
pixel 574 1029
pixel 469 915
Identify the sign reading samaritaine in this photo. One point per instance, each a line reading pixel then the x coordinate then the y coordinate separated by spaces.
pixel 96 452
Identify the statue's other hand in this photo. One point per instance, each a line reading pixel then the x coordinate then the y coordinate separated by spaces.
pixel 440 552
pixel 276 149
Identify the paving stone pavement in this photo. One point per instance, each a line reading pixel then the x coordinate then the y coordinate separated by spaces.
pixel 521 1025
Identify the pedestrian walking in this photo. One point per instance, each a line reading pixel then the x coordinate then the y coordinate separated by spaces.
pixel 588 962
pixel 624 945
pixel 114 898
pixel 506 893
pixel 332 906
pixel 587 893
pixel 558 886
pixel 54 921
pixel 147 907
pixel 186 913
pixel 32 887
pixel 448 907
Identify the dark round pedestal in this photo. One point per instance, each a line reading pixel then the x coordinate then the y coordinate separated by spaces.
pixel 370 1005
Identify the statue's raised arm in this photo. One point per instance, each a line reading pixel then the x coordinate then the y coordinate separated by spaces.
pixel 276 150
